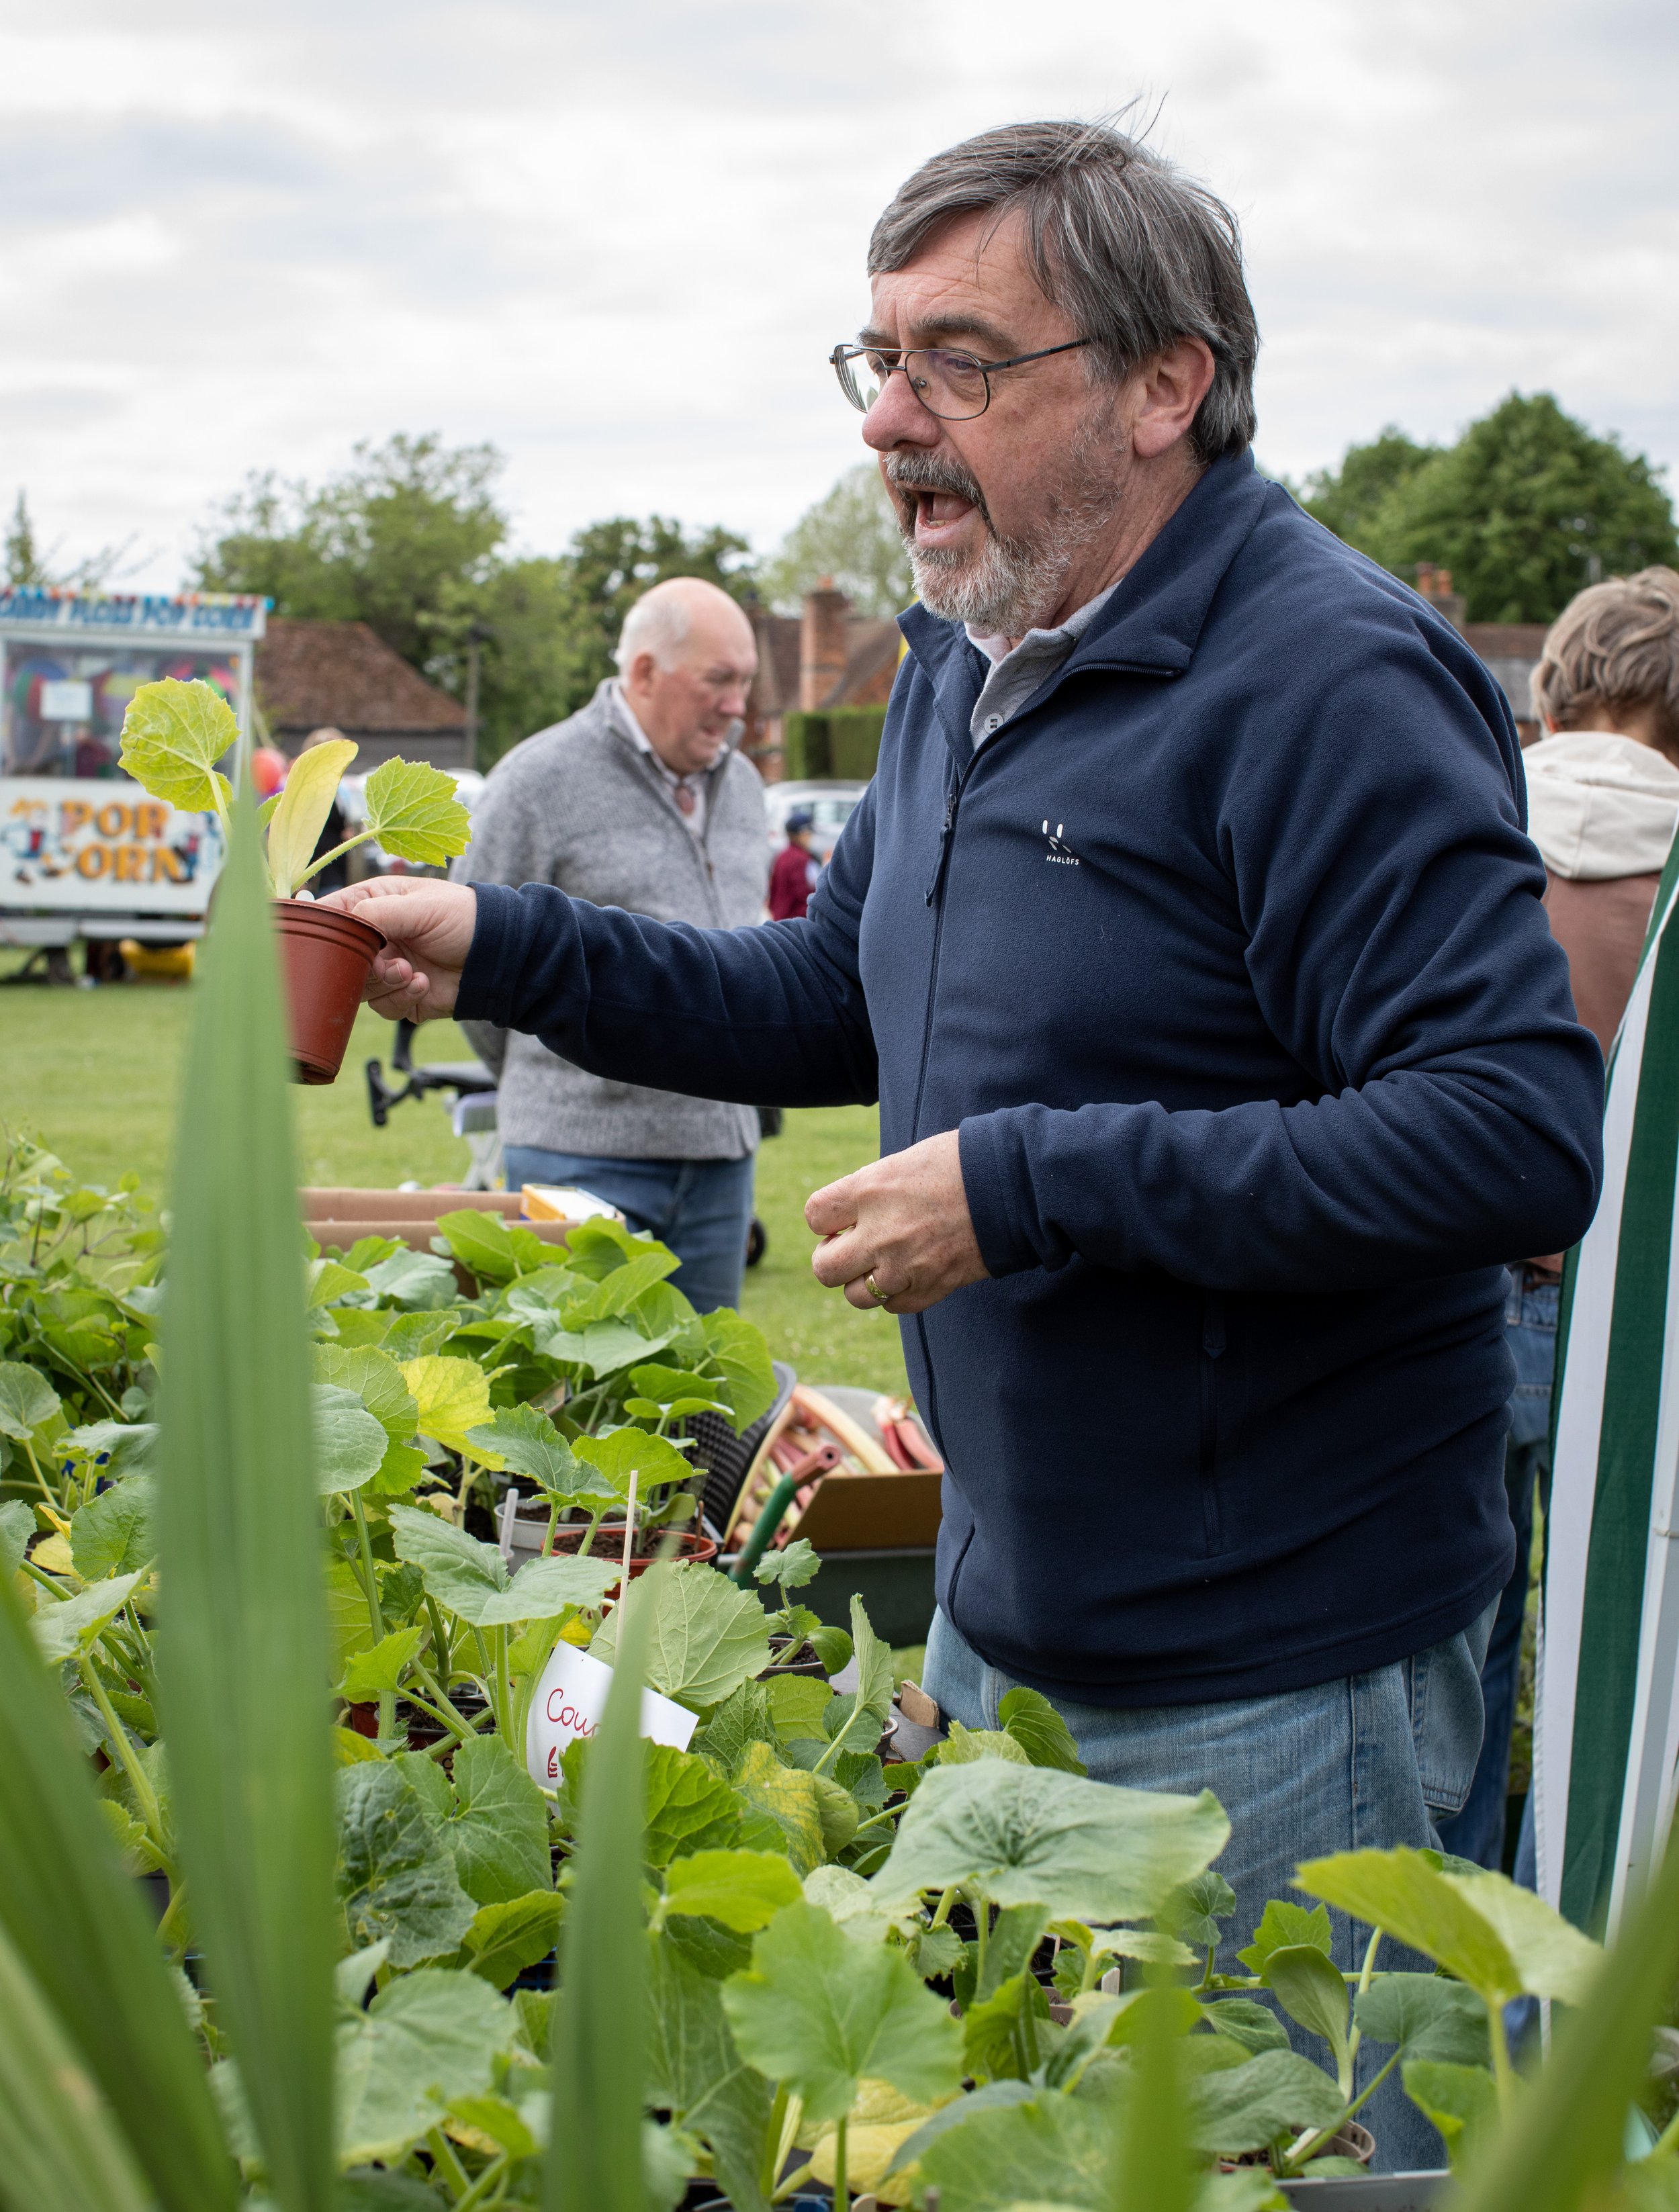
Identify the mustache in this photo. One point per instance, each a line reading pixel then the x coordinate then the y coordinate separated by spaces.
pixel 912 473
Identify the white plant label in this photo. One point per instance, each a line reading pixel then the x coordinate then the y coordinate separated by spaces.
pixel 571 1700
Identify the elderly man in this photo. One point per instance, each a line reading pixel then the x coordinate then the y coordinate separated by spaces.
pixel 640 801
pixel 1189 936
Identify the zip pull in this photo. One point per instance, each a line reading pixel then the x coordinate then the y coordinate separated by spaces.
pixel 1213 1325
pixel 944 845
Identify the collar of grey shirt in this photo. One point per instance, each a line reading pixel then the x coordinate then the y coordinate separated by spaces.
pixel 1016 674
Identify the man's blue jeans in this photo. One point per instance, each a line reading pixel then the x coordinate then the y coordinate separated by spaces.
pixel 1364 1763
pixel 1531 1318
pixel 702 1209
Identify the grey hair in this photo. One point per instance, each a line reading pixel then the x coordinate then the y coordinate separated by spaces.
pixel 658 623
pixel 1615 648
pixel 1138 253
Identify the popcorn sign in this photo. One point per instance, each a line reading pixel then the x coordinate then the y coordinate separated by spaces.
pixel 571 1700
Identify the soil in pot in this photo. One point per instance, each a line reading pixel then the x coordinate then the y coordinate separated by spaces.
pixel 328 956
pixel 423 1730
pixel 805 1662
pixel 609 1544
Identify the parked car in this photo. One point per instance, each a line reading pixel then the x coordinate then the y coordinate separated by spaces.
pixel 828 804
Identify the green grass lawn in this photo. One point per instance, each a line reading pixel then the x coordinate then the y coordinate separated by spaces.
pixel 95 1075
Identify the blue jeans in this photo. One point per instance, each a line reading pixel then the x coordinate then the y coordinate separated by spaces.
pixel 1531 1315
pixel 702 1209
pixel 1364 1763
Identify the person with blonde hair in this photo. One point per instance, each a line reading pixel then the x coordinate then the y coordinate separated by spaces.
pixel 1603 802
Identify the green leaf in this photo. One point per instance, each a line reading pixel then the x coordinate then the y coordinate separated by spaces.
pixel 350 1444
pixel 504 1939
pixel 380 1668
pixel 27 1401
pixel 428 2038
pixel 675 1386
pixel 60 2145
pixel 748 1375
pixel 1035 2149
pixel 295 826
pixel 694 2071
pixel 413 812
pixel 797 1705
pixel 500 1835
pixel 745 1716
pixel 1194 1910
pixel 64 1629
pixel 494 1249
pixel 120 1447
pixel 396 1875
pixel 116 1532
pixel 1029 1835
pixel 377 1381
pixel 1463 2102
pixel 599 2036
pixel 705 1636
pixel 471 1579
pixel 451 1398
pixel 1310 1989
pixel 323 1280
pixel 1247 2107
pixel 872 1700
pixel 615 1294
pixel 652 1460
pixel 242 1649
pixel 601 1349
pixel 424 1282
pixel 743 1889
pixel 1254 2027
pixel 1401 1892
pixel 526 1442
pixel 1281 1925
pixel 797 1564
pixel 818 2012
pixel 1039 1730
pixel 688 1806
pixel 174 734
pixel 1552 1958
pixel 789 1803
pixel 1426 2016
pixel 963 1746
pixel 17 1526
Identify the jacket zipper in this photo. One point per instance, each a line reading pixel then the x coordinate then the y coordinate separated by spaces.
pixel 1212 1342
pixel 936 899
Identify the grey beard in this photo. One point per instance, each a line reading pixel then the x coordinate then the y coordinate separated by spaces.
pixel 1014 583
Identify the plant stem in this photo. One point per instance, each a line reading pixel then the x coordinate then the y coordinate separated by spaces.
pixel 448 2164
pixel 1365 1974
pixel 495 2171
pixel 588 1535
pixel 553 1523
pixel 982 1927
pixel 440 1639
pixel 139 1781
pixel 387 1702
pixel 841 2192
pixel 503 1686
pixel 1308 2145
pixel 1503 2073
pixel 946 1899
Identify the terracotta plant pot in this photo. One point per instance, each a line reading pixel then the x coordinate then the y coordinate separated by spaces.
pixel 328 956
pixel 609 1544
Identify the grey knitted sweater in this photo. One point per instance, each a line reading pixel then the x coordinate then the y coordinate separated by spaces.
pixel 580 805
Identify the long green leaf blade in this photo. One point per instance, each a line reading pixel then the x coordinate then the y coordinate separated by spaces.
pixel 243 1649
pixel 57 2144
pixel 1565 2131
pixel 78 1925
pixel 599 2042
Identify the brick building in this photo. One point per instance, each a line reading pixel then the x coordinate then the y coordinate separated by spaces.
pixel 825 658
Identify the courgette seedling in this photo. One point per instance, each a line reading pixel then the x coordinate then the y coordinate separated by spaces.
pixel 175 734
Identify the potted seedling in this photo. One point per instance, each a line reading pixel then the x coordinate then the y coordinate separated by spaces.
pixel 799 1643
pixel 175 734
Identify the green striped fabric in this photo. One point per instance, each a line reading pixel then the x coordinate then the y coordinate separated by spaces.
pixel 1606 1722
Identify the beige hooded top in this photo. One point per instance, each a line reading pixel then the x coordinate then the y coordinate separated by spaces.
pixel 1602 809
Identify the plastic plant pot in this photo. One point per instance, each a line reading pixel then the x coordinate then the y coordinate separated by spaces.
pixel 328 957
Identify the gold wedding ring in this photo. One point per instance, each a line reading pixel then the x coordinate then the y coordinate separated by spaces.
pixel 875 1291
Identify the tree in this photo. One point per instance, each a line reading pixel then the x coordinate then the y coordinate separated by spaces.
pixel 1524 509
pixel 394 541
pixel 851 535
pixel 1347 500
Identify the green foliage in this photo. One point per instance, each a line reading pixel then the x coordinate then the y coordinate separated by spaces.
pixel 841 741
pixel 243 1652
pixel 818 2012
pixel 704 1635
pixel 174 734
pixel 1527 508
pixel 1039 1730
pixel 849 539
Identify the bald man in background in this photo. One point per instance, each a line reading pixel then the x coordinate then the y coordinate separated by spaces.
pixel 641 801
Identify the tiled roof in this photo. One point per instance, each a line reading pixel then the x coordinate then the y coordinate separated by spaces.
pixel 313 675
pixel 871 663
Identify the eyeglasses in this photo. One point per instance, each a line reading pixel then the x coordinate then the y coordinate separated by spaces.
pixel 954 386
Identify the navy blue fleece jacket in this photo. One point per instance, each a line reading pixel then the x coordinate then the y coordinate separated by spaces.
pixel 1225 958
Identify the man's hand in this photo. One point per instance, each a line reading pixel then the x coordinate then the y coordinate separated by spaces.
pixel 428 936
pixel 904 1220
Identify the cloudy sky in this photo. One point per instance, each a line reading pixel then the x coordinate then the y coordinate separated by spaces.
pixel 618 240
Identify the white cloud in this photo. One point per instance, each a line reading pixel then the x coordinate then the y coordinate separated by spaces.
pixel 619 243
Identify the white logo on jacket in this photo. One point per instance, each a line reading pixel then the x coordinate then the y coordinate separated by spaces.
pixel 1058 852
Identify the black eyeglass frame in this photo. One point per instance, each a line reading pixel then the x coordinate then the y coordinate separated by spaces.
pixel 843 354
